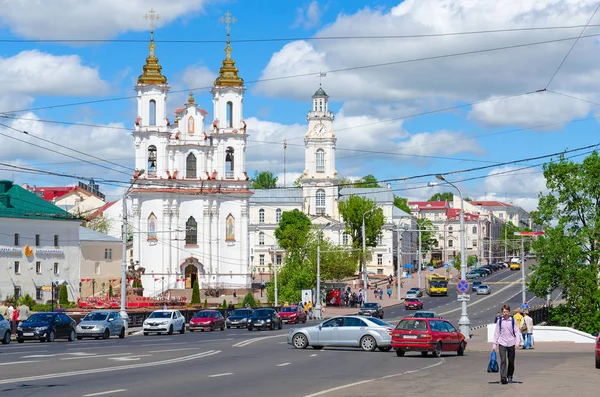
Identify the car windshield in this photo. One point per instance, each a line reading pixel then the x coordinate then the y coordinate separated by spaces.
pixel 203 315
pixel 41 317
pixel 410 325
pixel 483 287
pixel 97 316
pixel 241 313
pixel 439 284
pixel 261 313
pixel 424 315
pixel 412 300
pixel 160 315
pixel 476 282
pixel 289 309
pixel 369 306
pixel 415 289
pixel 379 322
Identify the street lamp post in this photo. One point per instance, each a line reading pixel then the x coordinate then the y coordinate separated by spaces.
pixel 124 238
pixel 399 262
pixel 364 244
pixel 318 300
pixel 464 323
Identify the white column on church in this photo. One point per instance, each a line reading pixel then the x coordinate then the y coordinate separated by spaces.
pixel 205 236
pixel 215 242
pixel 244 244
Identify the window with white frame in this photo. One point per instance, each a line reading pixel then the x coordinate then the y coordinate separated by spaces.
pixel 450 243
pixel 320 202
pixel 450 229
pixel 108 253
pixel 474 230
pixel 320 160
pixel 39 293
pixel 501 215
pixel 261 215
pixel 56 268
pixel 38 267
pixel 278 260
pixel 277 215
pixel 380 259
pixel 261 260
pixel 17 267
pixel 261 238
pixel 474 243
pixel 345 239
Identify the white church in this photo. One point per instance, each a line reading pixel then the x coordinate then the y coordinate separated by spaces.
pixel 193 216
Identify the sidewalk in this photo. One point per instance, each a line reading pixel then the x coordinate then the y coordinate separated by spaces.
pixel 479 343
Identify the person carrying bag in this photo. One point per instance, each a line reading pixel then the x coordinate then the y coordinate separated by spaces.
pixel 506 336
pixel 493 365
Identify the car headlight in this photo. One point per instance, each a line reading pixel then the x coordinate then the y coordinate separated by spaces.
pixel 40 328
pixel 19 329
pixel 269 320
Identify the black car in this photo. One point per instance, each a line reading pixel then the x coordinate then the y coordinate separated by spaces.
pixel 46 327
pixel 264 319
pixel 371 309
pixel 238 318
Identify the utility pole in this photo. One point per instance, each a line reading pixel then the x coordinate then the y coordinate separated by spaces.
pixel 523 269
pixel 420 258
pixel 505 242
pixel 284 161
pixel 275 269
pixel 399 262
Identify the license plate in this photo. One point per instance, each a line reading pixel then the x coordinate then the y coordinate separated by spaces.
pixel 27 333
pixel 410 336
pixel 284 321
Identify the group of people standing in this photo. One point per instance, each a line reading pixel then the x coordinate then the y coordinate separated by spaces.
pixel 14 316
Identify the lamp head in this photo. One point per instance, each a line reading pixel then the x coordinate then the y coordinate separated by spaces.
pixel 440 177
pixel 141 172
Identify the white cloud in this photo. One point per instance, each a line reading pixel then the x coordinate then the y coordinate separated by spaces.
pixel 454 79
pixel 309 17
pixel 440 143
pixel 520 187
pixel 89 19
pixel 198 76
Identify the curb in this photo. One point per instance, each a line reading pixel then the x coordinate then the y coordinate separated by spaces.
pixel 478 327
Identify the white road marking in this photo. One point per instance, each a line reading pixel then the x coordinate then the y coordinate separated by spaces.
pixel 168 344
pixel 104 392
pixel 283 364
pixel 223 374
pixel 20 362
pixel 94 356
pixel 314 355
pixel 108 369
pixel 130 358
pixel 250 341
pixel 173 350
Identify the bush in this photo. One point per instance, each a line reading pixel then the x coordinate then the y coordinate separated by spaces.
pixel 224 305
pixel 63 295
pixel 41 308
pixel 110 291
pixel 196 294
pixel 249 300
pixel 27 300
pixel 205 303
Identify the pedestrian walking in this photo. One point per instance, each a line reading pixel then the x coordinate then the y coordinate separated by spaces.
pixel 506 336
pixel 9 315
pixel 389 291
pixel 527 329
pixel 525 306
pixel 15 321
pixel 24 312
pixel 518 318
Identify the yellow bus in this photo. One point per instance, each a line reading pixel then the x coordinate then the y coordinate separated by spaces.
pixel 436 285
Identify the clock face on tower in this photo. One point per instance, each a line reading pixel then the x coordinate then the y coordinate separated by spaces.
pixel 320 129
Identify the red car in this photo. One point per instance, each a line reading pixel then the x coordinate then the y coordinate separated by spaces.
pixel 207 320
pixel 292 314
pixel 427 335
pixel 598 351
pixel 413 303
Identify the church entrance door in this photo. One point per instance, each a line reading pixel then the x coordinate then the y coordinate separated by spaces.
pixel 191 276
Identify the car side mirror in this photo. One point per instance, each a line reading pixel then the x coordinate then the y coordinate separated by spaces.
pixel 594 334
pixel 111 320
pixel 320 327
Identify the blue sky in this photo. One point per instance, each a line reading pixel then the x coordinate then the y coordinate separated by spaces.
pixel 374 82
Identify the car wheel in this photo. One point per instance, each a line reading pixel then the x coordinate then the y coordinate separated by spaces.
pixel 597 362
pixel 20 340
pixel 461 349
pixel 80 338
pixel 106 334
pixel 368 343
pixel 228 327
pixel 50 337
pixel 222 327
pixel 304 321
pixel 317 347
pixel 299 341
pixel 182 330
pixel 279 327
pixel 424 354
pixel 72 335
pixel 6 339
pixel 249 328
pixel 385 349
pixel 170 330
pixel 191 330
pixel 96 337
pixel 400 353
pixel 122 334
pixel 212 328
pixel 145 334
pixel 438 350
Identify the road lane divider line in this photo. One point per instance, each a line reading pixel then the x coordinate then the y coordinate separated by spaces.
pixel 314 355
pixel 109 369
pixel 173 350
pixel 250 341
pixel 102 393
pixel 283 364
pixel 94 356
pixel 219 375
pixel 20 362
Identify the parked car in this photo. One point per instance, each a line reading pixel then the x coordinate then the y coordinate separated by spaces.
pixel 598 351
pixel 46 327
pixel 472 275
pixel 371 309
pixel 101 323
pixel 483 289
pixel 292 314
pixel 426 314
pixel 475 285
pixel 166 321
pixel 264 319
pixel 4 330
pixel 207 320
pixel 427 335
pixel 367 333
pixel 418 290
pixel 238 318
pixel 413 303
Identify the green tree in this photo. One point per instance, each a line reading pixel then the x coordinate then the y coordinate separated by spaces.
pixel 298 181
pixel 63 295
pixel 568 253
pixel 249 300
pixel 196 293
pixel 27 300
pixel 264 180
pixel 402 203
pixel 428 240
pixel 292 232
pixel 368 181
pixel 99 223
pixel 446 196
pixel 110 290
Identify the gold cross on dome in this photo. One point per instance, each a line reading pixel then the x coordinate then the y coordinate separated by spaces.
pixel 228 19
pixel 152 16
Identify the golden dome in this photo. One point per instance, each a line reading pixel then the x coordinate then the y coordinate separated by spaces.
pixel 191 98
pixel 152 70
pixel 228 74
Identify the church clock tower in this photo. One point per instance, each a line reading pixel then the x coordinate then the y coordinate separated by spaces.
pixel 320 180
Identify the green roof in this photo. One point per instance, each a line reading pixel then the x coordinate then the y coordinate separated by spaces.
pixel 16 202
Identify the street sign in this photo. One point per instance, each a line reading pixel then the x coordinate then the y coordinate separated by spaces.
pixel 463 286
pixel 464 297
pixel 529 234
pixel 445 265
pixel 430 268
pixel 47 288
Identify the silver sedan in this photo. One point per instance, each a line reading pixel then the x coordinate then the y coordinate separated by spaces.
pixel 368 333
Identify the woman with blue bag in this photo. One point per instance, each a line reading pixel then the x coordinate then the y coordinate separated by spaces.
pixel 506 336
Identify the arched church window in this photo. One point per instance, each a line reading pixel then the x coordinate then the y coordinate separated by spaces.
pixel 320 160
pixel 229 114
pixel 320 202
pixel 190 166
pixel 190 128
pixel 191 231
pixel 261 215
pixel 278 215
pixel 152 160
pixel 261 238
pixel 229 163
pixel 152 110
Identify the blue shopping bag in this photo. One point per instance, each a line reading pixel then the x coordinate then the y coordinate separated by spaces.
pixel 493 365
